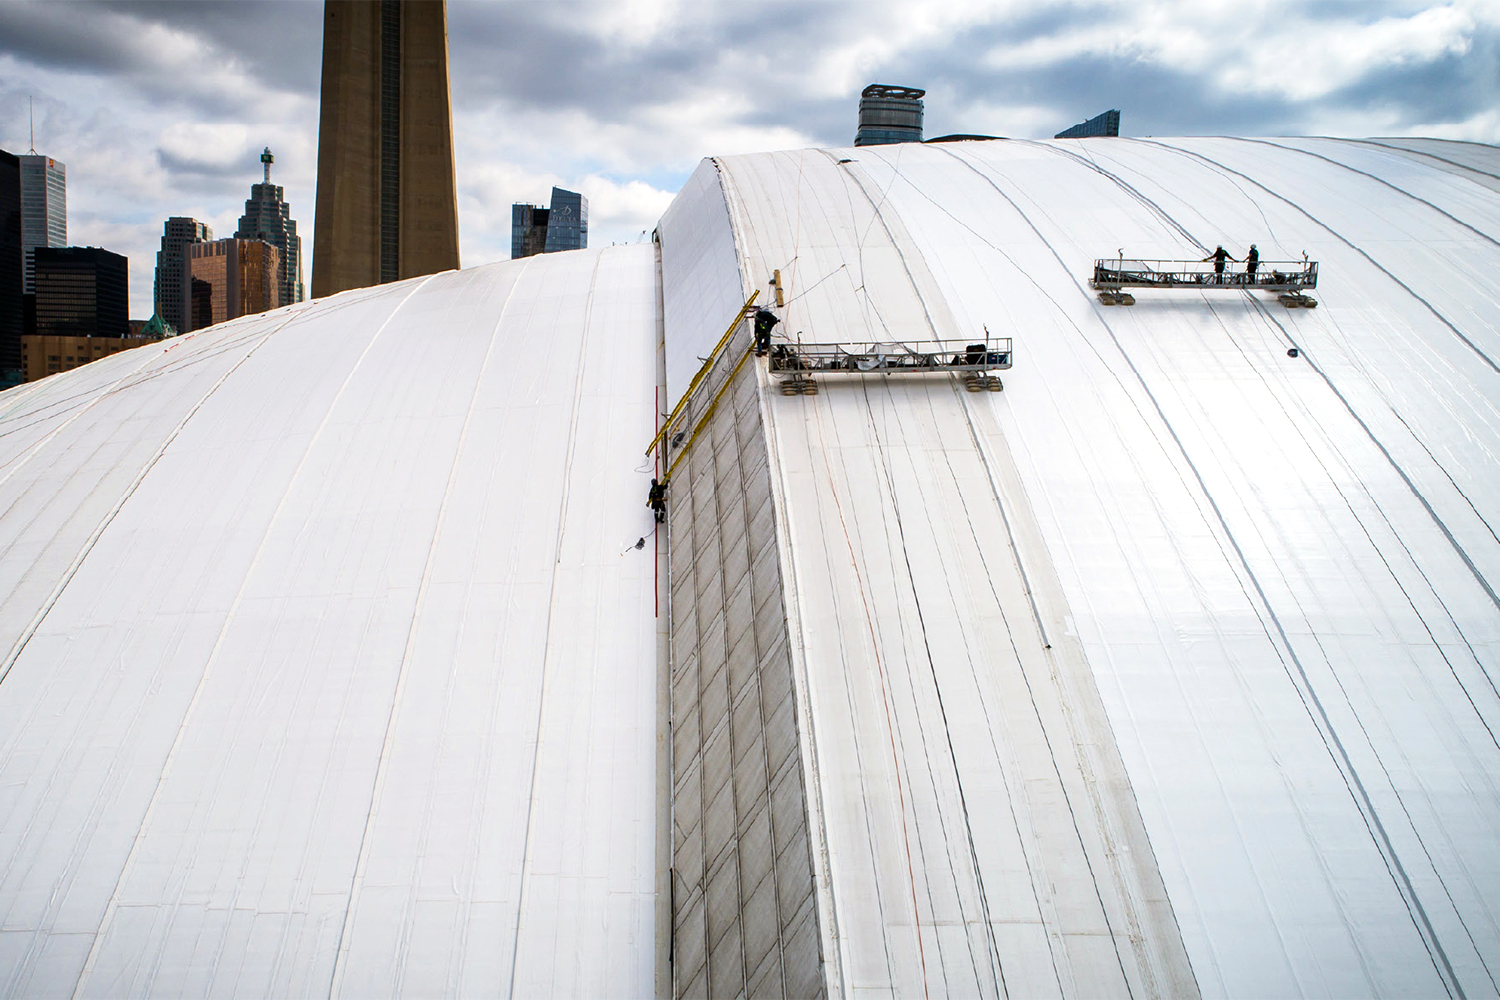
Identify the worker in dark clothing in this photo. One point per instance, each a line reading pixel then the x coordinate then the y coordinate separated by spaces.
pixel 1252 261
pixel 657 501
pixel 764 321
pixel 1219 256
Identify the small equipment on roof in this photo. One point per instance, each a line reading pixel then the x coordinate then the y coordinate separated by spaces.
pixel 1289 279
pixel 973 360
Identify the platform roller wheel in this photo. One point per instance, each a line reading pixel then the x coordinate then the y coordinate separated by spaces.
pixel 993 384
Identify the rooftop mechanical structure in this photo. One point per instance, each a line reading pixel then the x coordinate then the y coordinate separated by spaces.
pixel 889 114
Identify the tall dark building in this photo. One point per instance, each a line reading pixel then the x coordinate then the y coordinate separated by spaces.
pixel 178 234
pixel 81 292
pixel 1100 125
pixel 11 270
pixel 889 114
pixel 563 226
pixel 268 218
pixel 387 202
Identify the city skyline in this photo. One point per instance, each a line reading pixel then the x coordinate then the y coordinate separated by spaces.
pixel 161 110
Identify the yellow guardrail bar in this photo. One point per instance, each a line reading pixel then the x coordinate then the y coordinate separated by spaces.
pixel 688 444
pixel 702 373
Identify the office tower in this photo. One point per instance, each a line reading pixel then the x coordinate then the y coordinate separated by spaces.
pixel 231 278
pixel 567 221
pixel 889 114
pixel 268 217
pixel 563 226
pixel 11 256
pixel 81 292
pixel 1106 124
pixel 44 207
pixel 172 268
pixel 386 207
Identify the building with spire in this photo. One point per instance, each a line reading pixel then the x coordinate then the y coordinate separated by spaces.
pixel 387 207
pixel 172 287
pixel 268 218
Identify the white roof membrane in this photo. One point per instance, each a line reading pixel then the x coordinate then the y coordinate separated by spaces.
pixel 1281 571
pixel 331 648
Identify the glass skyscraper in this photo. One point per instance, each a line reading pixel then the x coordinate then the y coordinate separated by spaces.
pixel 81 292
pixel 563 226
pixel 44 209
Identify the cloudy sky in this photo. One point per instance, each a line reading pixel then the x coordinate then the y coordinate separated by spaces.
pixel 161 109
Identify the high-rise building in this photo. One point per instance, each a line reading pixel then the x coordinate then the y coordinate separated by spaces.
pixel 268 217
pixel 231 278
pixel 889 114
pixel 563 226
pixel 44 208
pixel 172 291
pixel 11 256
pixel 81 292
pixel 387 207
pixel 1106 124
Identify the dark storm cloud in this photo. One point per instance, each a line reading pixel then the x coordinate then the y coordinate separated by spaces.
pixel 1451 88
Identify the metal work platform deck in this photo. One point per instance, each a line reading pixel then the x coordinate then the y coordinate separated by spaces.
pixel 974 360
pixel 1290 279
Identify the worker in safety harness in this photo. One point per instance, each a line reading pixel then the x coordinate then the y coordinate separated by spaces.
pixel 1219 256
pixel 657 501
pixel 764 321
pixel 1252 261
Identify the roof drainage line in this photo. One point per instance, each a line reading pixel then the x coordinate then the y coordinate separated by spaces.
pixel 1396 413
pixel 541 699
pixel 1338 680
pixel 26 636
pixel 1291 661
pixel 1125 186
pixel 1458 548
pixel 1104 911
pixel 997 969
pixel 883 673
pixel 1259 305
pixel 1365 173
pixel 1010 534
pixel 1417 152
pixel 213 656
pixel 1031 874
pixel 92 396
pixel 1342 239
pixel 1349 505
pixel 128 382
pixel 377 790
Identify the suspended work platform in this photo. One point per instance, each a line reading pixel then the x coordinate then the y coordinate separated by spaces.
pixel 1289 279
pixel 973 360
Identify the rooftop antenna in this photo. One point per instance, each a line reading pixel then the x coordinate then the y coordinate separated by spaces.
pixel 266 160
pixel 31 108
